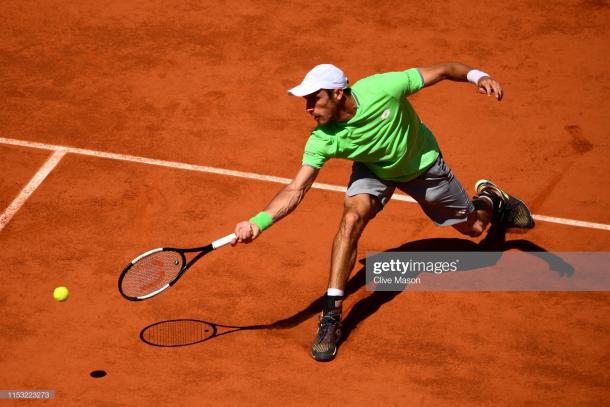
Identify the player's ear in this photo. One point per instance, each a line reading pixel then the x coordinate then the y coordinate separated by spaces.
pixel 338 94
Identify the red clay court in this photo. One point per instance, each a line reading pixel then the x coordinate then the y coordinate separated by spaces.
pixel 130 125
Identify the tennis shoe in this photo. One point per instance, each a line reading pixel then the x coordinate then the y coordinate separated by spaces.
pixel 327 340
pixel 509 211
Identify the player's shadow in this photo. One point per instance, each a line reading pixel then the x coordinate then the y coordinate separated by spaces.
pixel 494 241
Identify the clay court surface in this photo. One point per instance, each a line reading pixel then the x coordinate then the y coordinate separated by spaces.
pixel 204 83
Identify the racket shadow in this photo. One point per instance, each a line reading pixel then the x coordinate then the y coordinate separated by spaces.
pixel 184 332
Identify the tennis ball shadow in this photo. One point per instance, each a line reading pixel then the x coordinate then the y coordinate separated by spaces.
pixel 96 374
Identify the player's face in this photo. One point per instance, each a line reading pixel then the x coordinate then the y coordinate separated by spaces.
pixel 321 106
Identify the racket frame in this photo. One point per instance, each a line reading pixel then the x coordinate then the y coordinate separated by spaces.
pixel 185 265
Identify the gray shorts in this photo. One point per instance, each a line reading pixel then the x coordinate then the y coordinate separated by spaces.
pixel 438 192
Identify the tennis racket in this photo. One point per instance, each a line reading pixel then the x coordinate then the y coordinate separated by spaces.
pixel 184 332
pixel 155 271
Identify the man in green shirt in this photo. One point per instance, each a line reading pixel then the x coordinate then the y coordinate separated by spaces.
pixel 374 125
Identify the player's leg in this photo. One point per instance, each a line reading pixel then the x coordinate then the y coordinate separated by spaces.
pixel 444 200
pixel 358 211
pixel 366 196
pixel 478 219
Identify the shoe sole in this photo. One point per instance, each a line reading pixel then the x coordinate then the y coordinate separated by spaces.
pixel 477 184
pixel 324 358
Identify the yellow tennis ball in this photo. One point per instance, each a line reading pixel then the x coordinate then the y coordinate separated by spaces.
pixel 61 294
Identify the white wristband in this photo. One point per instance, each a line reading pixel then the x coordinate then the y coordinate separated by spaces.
pixel 475 75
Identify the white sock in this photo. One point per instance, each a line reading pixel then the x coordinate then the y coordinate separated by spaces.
pixel 334 292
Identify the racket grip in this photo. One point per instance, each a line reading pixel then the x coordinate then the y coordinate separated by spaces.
pixel 223 241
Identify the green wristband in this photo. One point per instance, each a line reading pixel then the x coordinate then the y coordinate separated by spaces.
pixel 262 220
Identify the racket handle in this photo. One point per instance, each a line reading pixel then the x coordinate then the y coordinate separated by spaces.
pixel 223 241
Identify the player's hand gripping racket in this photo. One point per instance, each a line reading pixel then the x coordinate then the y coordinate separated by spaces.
pixel 155 271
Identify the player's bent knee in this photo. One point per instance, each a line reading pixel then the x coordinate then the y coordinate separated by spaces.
pixel 352 220
pixel 363 205
pixel 358 211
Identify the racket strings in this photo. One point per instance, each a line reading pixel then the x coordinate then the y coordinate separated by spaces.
pixel 177 333
pixel 152 273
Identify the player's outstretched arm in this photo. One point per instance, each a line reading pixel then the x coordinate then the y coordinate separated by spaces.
pixel 281 205
pixel 456 71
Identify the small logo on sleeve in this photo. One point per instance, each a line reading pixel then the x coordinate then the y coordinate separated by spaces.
pixel 386 114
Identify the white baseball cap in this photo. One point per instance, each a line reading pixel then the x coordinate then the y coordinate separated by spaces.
pixel 325 76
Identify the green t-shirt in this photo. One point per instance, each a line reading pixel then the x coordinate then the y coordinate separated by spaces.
pixel 385 134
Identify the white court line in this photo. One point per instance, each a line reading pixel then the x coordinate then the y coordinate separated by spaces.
pixel 29 189
pixel 248 175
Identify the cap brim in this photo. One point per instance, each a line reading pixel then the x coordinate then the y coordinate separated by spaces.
pixel 304 89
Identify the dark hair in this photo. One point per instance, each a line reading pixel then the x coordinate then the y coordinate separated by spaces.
pixel 347 91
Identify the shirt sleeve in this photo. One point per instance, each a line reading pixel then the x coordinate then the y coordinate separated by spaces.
pixel 401 84
pixel 317 151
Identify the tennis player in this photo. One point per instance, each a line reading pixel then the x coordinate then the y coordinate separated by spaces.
pixel 373 124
